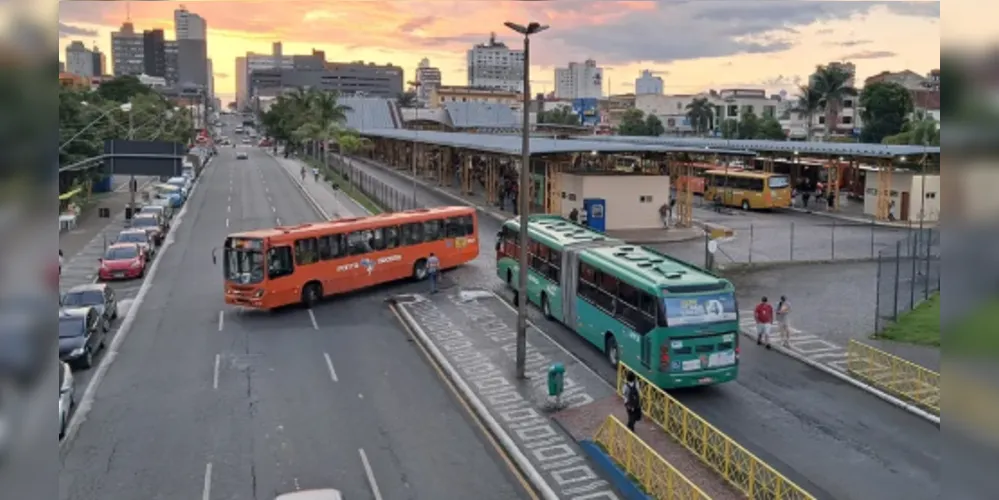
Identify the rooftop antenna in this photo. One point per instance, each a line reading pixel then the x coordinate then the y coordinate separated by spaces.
pixel 128 12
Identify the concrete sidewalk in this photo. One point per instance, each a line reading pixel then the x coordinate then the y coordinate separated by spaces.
pixel 334 203
pixel 470 334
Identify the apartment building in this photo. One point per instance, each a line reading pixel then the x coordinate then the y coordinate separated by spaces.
pixel 649 83
pixel 127 51
pixel 428 77
pixel 579 81
pixel 727 104
pixel 494 65
pixel 154 53
pixel 79 59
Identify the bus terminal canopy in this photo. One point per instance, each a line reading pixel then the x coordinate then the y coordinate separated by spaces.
pixel 511 144
pixel 845 149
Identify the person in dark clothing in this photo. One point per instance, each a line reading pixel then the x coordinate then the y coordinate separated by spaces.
pixel 574 216
pixel 632 401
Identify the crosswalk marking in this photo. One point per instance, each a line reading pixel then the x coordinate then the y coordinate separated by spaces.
pixel 804 344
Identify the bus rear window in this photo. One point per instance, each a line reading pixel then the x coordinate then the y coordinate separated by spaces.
pixel 779 181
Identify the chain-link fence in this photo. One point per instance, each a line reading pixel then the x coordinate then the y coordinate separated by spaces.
pixel 387 197
pixel 908 273
pixel 807 242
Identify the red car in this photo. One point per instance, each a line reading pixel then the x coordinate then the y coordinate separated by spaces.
pixel 123 261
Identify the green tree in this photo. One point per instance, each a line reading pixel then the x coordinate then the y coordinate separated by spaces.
pixel 654 126
pixel 922 130
pixel 729 128
pixel 749 125
pixel 833 84
pixel 701 113
pixel 123 89
pixel 632 123
pixel 560 115
pixel 886 108
pixel 808 103
pixel 770 130
pixel 406 99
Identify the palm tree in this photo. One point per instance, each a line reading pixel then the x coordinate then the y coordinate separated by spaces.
pixel 808 103
pixel 350 143
pixel 701 113
pixel 833 84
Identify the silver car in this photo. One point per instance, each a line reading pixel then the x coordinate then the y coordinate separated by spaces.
pixel 67 397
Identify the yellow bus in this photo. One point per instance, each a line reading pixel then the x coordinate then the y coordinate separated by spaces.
pixel 748 190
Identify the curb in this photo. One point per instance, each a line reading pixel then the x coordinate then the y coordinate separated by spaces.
pixel 308 197
pixel 913 409
pixel 619 477
pixel 504 438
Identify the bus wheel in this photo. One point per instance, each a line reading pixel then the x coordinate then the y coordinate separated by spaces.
pixel 745 205
pixel 420 270
pixel 311 294
pixel 509 278
pixel 611 349
pixel 546 308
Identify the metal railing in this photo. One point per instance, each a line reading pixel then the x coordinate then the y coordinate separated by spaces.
pixel 908 273
pixel 895 375
pixel 657 477
pixel 386 196
pixel 740 468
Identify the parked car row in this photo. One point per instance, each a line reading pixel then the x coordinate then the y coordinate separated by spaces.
pixel 87 312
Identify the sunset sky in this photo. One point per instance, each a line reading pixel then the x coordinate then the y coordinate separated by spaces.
pixel 696 45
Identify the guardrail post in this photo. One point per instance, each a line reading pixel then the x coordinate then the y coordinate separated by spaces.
pixel 751 238
pixel 912 280
pixel 752 480
pixel 872 239
pixel 898 268
pixel 877 298
pixel 791 253
pixel 832 242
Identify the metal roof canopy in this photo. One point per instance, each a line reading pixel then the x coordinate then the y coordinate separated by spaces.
pixel 865 150
pixel 511 144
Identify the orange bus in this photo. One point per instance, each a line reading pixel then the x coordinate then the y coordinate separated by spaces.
pixel 270 268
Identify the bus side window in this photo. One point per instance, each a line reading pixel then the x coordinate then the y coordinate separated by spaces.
pixel 357 243
pixel 392 237
pixel 469 222
pixel 305 251
pixel 554 265
pixel 587 287
pixel 432 230
pixel 279 262
pixel 455 228
pixel 325 248
pixel 377 239
pixel 415 233
pixel 606 296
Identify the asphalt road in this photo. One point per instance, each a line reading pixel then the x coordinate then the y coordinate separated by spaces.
pixel 203 397
pixel 832 439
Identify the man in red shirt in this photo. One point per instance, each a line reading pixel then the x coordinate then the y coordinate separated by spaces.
pixel 764 315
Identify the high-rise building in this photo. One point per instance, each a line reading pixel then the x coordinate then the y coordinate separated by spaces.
pixel 211 79
pixel 428 78
pixel 127 51
pixel 154 53
pixel 192 48
pixel 349 79
pixel 170 62
pixel 79 59
pixel 100 62
pixel 188 25
pixel 244 65
pixel 494 65
pixel 579 81
pixel 648 83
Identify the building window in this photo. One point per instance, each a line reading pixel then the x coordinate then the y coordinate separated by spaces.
pixel 847 104
pixel 645 199
pixel 846 120
pixel 822 120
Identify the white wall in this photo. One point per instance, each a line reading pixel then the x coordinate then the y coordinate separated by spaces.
pixel 905 182
pixel 633 201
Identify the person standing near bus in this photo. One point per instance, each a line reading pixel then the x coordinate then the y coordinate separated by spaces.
pixel 632 401
pixel 433 270
pixel 764 315
pixel 783 309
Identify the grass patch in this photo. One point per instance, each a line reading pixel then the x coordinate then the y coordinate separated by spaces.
pixel 977 334
pixel 334 177
pixel 920 326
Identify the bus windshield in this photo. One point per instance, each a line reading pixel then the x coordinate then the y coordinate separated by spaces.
pixel 779 181
pixel 700 309
pixel 245 267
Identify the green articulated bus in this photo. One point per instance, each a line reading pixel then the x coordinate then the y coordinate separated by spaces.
pixel 672 322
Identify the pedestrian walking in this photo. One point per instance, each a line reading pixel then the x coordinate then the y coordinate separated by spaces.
pixel 433 270
pixel 783 309
pixel 764 314
pixel 632 401
pixel 574 216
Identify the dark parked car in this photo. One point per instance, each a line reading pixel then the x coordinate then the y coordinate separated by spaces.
pixel 97 295
pixel 151 223
pixel 81 335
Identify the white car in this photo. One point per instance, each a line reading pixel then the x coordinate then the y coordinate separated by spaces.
pixel 67 396
pixel 242 155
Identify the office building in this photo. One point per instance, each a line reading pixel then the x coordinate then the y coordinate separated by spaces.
pixel 192 48
pixel 127 51
pixel 100 62
pixel 428 78
pixel 79 59
pixel 349 79
pixel 210 70
pixel 170 61
pixel 648 83
pixel 250 62
pixel 154 53
pixel 579 81
pixel 493 65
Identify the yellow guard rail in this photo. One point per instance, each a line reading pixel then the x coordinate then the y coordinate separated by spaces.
pixel 894 375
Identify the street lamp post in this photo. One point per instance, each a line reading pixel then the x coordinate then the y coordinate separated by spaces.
pixel 523 197
pixel 416 85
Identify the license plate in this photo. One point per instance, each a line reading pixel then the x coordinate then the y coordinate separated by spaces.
pixel 119 275
pixel 705 380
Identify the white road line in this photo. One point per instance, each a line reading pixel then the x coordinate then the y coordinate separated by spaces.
pixel 230 199
pixel 221 319
pixel 215 377
pixel 278 219
pixel 371 475
pixel 206 493
pixel 273 209
pixel 329 364
pixel 312 316
pixel 227 223
pixel 228 208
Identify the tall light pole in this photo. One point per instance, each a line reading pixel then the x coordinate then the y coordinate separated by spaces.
pixel 524 195
pixel 416 85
